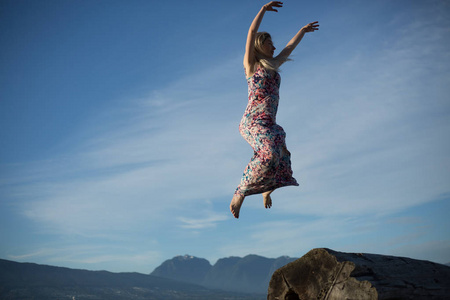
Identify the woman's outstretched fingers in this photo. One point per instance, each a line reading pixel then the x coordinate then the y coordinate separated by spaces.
pixel 311 27
pixel 270 6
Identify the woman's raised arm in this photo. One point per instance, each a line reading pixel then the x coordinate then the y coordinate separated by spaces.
pixel 311 27
pixel 249 57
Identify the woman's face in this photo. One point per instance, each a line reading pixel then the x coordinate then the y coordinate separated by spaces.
pixel 268 47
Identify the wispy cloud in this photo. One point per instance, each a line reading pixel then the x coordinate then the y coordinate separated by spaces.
pixel 200 223
pixel 155 154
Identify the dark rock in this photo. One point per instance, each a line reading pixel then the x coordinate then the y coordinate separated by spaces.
pixel 328 274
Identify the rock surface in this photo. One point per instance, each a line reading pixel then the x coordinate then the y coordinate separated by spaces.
pixel 327 274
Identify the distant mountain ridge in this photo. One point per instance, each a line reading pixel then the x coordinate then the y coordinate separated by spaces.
pixel 249 274
pixel 42 282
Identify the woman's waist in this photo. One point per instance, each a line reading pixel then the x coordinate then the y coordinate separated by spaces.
pixel 265 108
pixel 262 94
pixel 249 120
pixel 259 126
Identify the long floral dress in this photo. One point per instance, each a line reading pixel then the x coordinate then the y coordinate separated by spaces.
pixel 270 166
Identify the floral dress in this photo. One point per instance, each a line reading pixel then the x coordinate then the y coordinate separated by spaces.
pixel 270 166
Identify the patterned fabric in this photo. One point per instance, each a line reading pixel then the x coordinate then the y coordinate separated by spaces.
pixel 270 166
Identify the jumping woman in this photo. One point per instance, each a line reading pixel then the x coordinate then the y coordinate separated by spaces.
pixel 270 166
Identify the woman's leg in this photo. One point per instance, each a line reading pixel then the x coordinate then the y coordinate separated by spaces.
pixel 260 174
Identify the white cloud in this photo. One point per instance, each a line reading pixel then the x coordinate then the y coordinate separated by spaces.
pixel 209 221
pixel 163 150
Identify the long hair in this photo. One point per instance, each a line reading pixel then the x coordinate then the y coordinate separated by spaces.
pixel 269 63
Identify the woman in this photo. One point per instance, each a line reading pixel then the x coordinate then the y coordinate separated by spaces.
pixel 270 166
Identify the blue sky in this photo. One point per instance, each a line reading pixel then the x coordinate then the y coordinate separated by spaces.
pixel 120 143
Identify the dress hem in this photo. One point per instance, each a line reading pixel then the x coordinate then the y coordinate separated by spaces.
pixel 268 189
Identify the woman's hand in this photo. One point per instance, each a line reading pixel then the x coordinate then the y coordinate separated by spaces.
pixel 270 6
pixel 311 27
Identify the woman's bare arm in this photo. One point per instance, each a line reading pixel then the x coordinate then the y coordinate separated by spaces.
pixel 311 27
pixel 249 58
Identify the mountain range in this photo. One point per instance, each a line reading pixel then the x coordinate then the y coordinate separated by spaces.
pixel 250 274
pixel 26 281
pixel 182 277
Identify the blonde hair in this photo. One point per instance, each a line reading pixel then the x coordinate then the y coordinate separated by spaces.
pixel 269 63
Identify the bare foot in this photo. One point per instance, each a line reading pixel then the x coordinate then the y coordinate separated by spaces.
pixel 235 205
pixel 267 199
